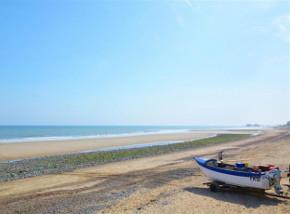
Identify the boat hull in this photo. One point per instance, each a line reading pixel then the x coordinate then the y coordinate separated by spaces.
pixel 258 182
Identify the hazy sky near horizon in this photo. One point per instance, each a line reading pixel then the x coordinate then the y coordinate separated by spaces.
pixel 144 62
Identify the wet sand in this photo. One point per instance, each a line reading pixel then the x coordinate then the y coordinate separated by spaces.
pixel 169 183
pixel 14 151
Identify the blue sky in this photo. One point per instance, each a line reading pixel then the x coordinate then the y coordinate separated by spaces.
pixel 144 62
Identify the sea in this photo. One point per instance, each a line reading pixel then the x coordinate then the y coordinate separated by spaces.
pixel 16 134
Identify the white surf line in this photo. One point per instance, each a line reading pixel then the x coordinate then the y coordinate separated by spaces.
pixel 89 137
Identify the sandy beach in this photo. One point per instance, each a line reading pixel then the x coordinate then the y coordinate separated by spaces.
pixel 14 151
pixel 170 183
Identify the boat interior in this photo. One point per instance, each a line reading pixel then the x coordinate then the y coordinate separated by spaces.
pixel 237 167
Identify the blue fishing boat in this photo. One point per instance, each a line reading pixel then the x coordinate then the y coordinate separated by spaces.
pixel 263 178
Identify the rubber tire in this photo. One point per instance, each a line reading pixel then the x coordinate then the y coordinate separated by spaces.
pixel 213 187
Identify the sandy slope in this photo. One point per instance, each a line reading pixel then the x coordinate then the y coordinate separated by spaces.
pixel 164 184
pixel 15 151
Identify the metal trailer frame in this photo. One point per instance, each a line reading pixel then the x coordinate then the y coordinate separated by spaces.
pixel 219 186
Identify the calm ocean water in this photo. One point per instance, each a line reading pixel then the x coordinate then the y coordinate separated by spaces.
pixel 10 134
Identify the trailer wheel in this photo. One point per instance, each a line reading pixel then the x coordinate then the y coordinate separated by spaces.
pixel 213 187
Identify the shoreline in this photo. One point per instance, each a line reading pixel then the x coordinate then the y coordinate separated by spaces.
pixel 88 137
pixel 15 151
pixel 41 139
pixel 19 169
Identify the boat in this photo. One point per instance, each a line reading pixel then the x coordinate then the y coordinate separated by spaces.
pixel 240 175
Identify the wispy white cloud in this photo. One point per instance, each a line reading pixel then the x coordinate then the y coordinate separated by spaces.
pixel 281 26
pixel 180 7
pixel 188 2
pixel 180 20
pixel 193 5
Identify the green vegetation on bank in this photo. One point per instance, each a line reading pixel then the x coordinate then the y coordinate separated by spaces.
pixel 118 155
pixel 62 163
